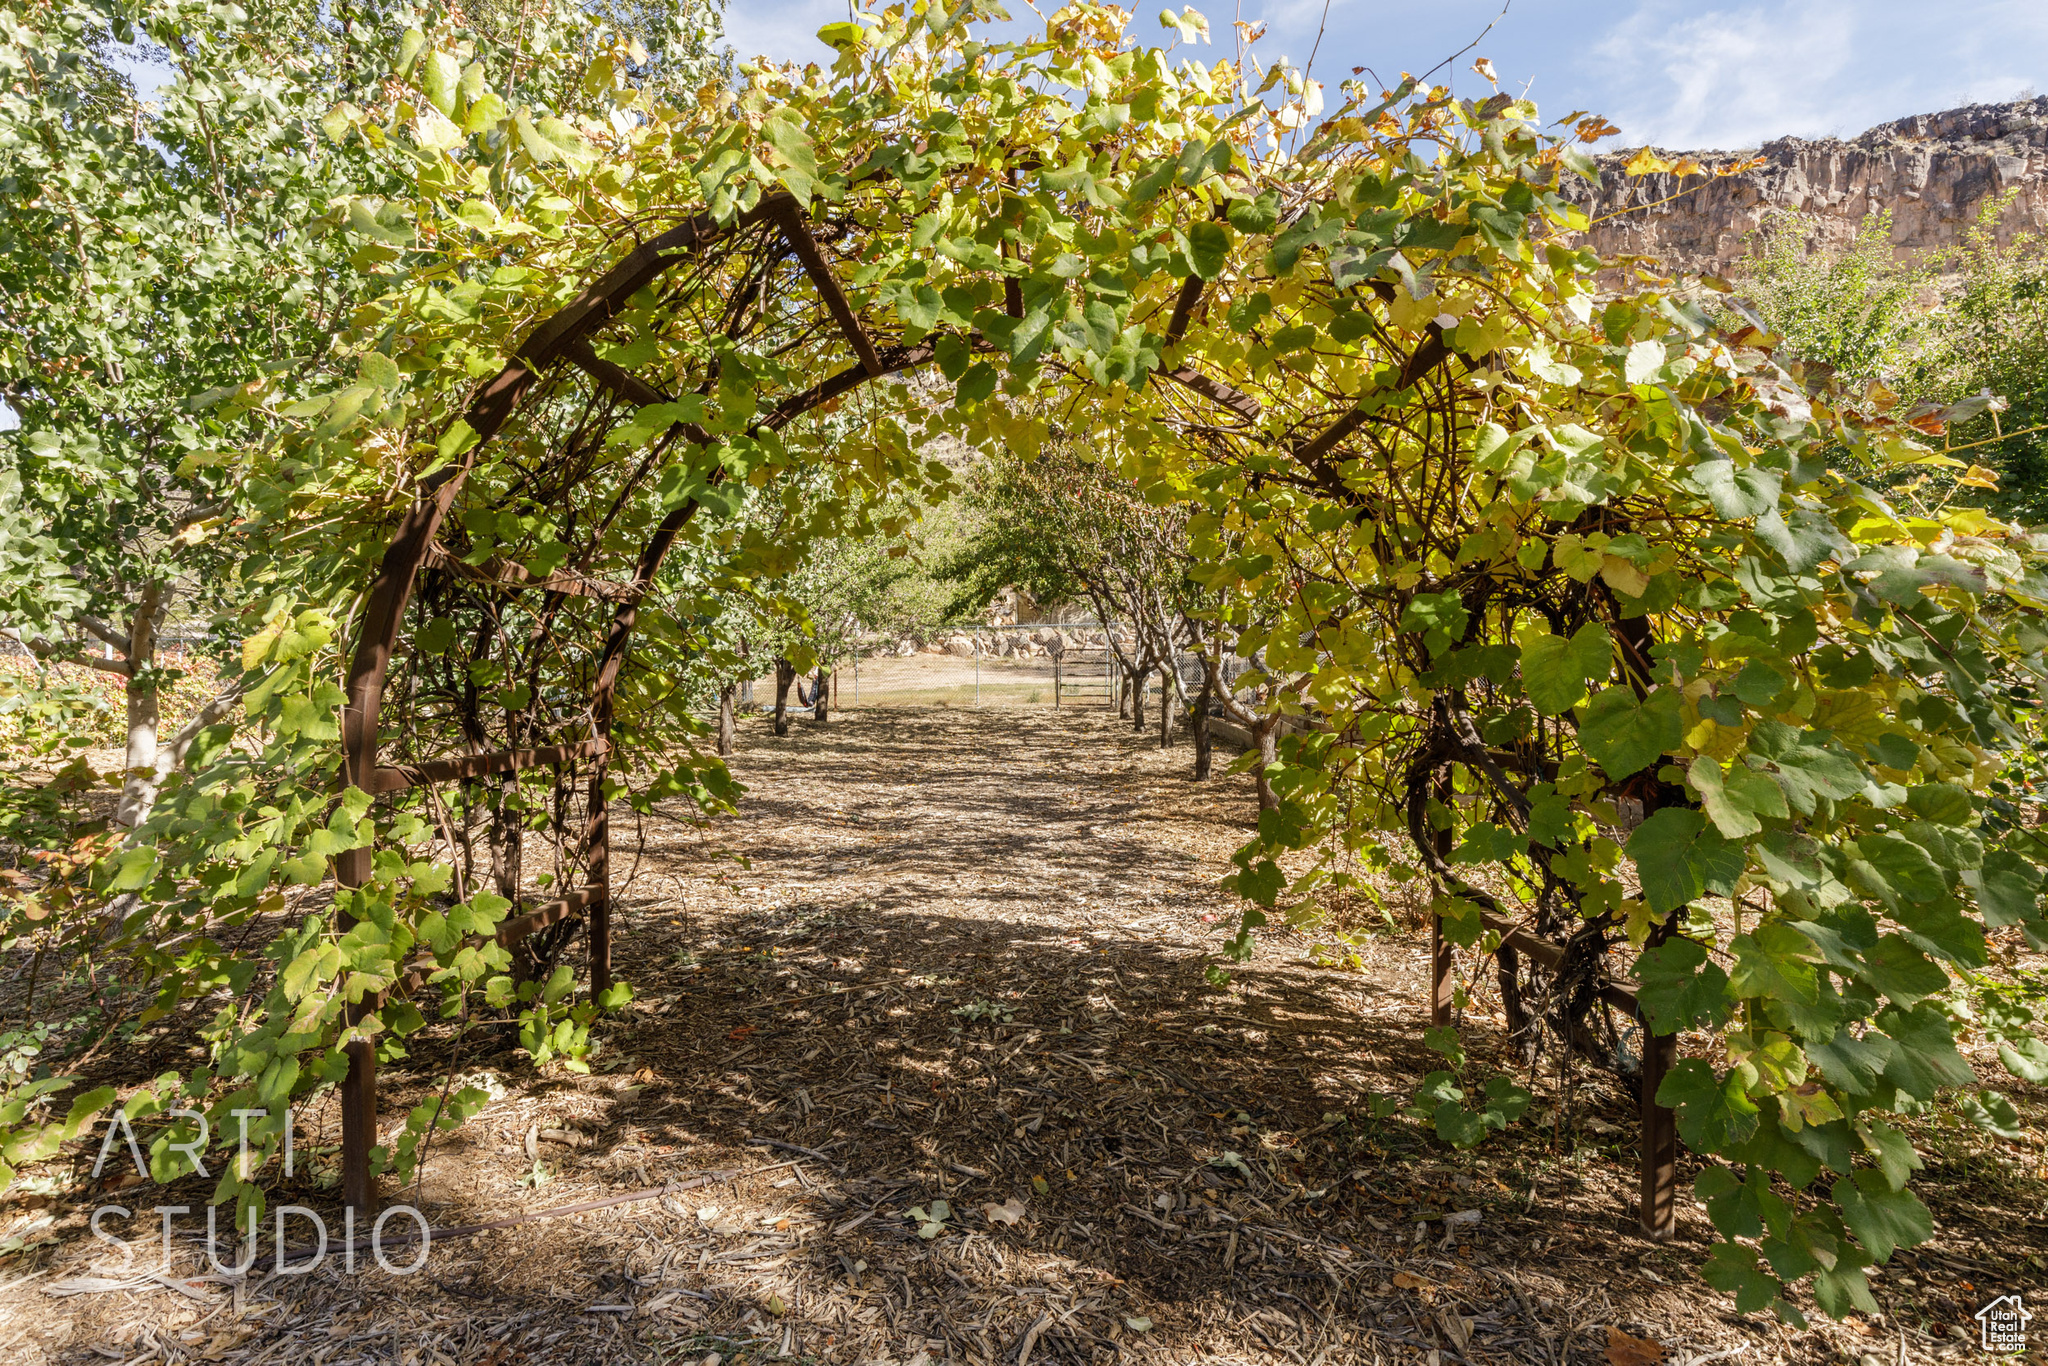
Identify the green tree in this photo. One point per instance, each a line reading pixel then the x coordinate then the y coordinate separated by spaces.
pixel 1993 331
pixel 162 253
pixel 1860 309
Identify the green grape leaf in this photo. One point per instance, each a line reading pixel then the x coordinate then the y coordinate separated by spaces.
pixel 1487 843
pixel 1882 1219
pixel 1660 847
pixel 1739 800
pixel 2008 889
pixel 1625 737
pixel 1805 768
pixel 1850 1063
pixel 1457 1126
pixel 1555 670
pixel 1550 817
pixel 1925 1058
pixel 1732 1269
pixel 1776 960
pixel 1768 1148
pixel 1901 971
pixel 1893 1150
pixel 1994 1114
pixel 1737 493
pixel 2025 1058
pixel 1743 1206
pixel 1896 871
pixel 1713 1111
pixel 793 147
pixel 1506 1101
pixel 1842 1290
pixel 1680 987
pixel 1208 249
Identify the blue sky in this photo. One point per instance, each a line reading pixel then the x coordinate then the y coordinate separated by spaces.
pixel 1686 75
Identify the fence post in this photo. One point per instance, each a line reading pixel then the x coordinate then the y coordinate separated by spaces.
pixel 1658 1211
pixel 1056 682
pixel 1440 960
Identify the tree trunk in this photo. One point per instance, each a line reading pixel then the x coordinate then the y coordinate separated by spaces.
pixel 1138 677
pixel 1267 734
pixel 1166 704
pixel 822 695
pixel 1204 745
pixel 726 722
pixel 785 674
pixel 138 788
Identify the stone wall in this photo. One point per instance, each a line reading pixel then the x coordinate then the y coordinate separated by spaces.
pixel 1933 171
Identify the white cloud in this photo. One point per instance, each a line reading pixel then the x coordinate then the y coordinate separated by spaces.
pixel 786 30
pixel 1727 78
pixel 1736 76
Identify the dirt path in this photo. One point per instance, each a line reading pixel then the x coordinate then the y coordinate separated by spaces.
pixel 963 961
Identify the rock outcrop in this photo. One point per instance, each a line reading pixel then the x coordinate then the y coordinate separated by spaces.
pixel 1933 171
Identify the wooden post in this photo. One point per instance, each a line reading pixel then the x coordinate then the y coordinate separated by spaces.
pixel 1056 682
pixel 599 870
pixel 1440 965
pixel 1439 973
pixel 1658 1213
pixel 358 1125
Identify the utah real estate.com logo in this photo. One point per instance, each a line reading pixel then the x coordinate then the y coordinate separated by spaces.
pixel 118 1127
pixel 2004 1322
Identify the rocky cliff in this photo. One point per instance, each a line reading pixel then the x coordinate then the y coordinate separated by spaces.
pixel 1933 171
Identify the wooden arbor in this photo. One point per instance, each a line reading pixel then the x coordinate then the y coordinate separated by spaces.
pixel 513 669
pixel 510 671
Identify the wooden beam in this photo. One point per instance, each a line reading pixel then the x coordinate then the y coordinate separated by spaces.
pixel 399 778
pixel 1239 402
pixel 1183 308
pixel 539 918
pixel 1620 995
pixel 617 378
pixel 893 359
pixel 797 228
pixel 1431 353
pixel 501 573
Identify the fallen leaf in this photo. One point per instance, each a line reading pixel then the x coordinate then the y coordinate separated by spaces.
pixel 739 1032
pixel 1009 1212
pixel 1625 1349
pixel 1456 1327
pixel 1137 1323
pixel 1406 1280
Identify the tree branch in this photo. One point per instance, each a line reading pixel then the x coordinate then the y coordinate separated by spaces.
pixel 108 634
pixel 63 652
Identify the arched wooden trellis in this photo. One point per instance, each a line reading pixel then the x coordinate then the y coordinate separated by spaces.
pixel 584 623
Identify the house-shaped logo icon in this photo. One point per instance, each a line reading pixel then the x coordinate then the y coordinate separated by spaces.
pixel 2004 1322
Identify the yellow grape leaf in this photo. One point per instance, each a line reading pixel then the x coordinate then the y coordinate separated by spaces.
pixel 257 646
pixel 1977 477
pixel 1807 1105
pixel 1647 162
pixel 1623 577
pixel 1974 522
